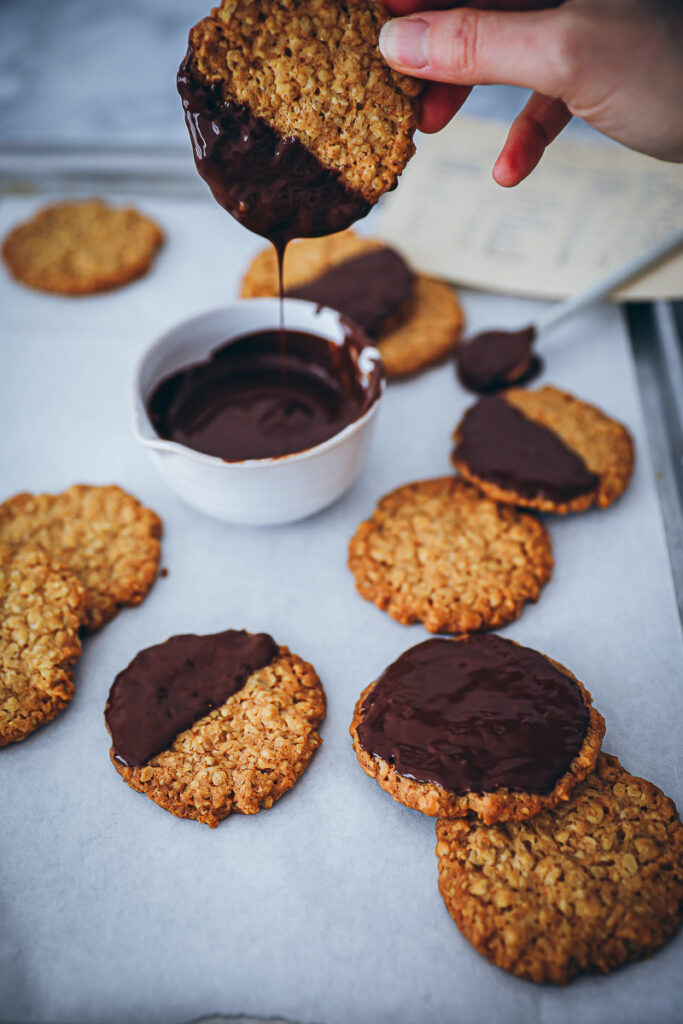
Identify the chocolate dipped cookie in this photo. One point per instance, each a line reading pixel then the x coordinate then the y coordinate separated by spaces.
pixel 477 726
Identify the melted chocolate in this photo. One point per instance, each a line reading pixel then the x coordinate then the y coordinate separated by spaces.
pixel 272 185
pixel 494 360
pixel 236 406
pixel 167 688
pixel 367 289
pixel 475 715
pixel 501 445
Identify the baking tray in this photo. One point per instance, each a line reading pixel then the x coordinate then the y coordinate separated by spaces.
pixel 324 909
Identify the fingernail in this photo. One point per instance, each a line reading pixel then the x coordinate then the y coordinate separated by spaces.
pixel 403 42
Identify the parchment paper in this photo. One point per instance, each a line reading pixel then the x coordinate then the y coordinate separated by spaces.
pixel 587 209
pixel 325 908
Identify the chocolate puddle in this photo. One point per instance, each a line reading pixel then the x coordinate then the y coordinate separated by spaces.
pixel 499 444
pixel 167 688
pixel 234 406
pixel 475 715
pixel 494 360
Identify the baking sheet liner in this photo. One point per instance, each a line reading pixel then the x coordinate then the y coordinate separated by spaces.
pixel 325 908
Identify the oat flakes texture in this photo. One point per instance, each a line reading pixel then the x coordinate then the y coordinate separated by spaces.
pixel 41 609
pixel 244 755
pixel 587 887
pixel 424 330
pixel 80 247
pixel 439 552
pixel 312 69
pixel 605 446
pixel 103 535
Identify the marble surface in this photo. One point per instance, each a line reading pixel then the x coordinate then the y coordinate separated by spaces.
pixel 88 71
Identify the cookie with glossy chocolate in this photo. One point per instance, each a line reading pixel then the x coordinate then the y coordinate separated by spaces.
pixel 478 725
pixel 42 607
pixel 298 124
pixel 544 450
pixel 210 725
pixel 80 247
pixel 414 320
pixel 585 888
pixel 439 552
pixel 103 535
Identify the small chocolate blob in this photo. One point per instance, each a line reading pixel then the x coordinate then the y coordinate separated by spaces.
pixel 494 360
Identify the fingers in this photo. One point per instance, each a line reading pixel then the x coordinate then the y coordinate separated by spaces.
pixel 471 47
pixel 438 104
pixel 401 7
pixel 541 121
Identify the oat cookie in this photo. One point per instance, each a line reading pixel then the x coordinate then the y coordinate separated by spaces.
pixel 103 535
pixel 604 445
pixel 312 69
pixel 41 609
pixel 424 330
pixel 587 887
pixel 76 248
pixel 242 756
pixel 439 552
pixel 450 744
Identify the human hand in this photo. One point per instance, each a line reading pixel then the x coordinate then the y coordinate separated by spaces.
pixel 618 64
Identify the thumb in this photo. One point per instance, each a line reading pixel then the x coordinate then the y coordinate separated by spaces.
pixel 481 47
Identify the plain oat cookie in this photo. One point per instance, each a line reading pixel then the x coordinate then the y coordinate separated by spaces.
pixel 103 535
pixel 242 756
pixel 41 609
pixel 312 69
pixel 587 887
pixel 438 552
pixel 79 247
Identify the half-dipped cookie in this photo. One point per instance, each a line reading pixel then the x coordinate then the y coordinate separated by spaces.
pixel 209 725
pixel 544 450
pixel 414 320
pixel 298 125
pixel 478 725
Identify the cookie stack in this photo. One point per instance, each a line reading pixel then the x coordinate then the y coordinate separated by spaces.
pixel 553 859
pixel 68 562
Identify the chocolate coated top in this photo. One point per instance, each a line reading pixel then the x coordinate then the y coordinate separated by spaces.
pixel 494 360
pixel 367 288
pixel 475 715
pixel 272 185
pixel 248 401
pixel 499 444
pixel 167 688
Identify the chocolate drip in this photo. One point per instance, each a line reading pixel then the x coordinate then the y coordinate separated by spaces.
pixel 272 185
pixel 167 688
pixel 500 445
pixel 234 405
pixel 494 360
pixel 367 288
pixel 475 715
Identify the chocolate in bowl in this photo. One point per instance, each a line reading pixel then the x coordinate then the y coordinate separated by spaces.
pixel 285 485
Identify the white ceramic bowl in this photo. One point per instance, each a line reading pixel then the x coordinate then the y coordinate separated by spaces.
pixel 256 491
